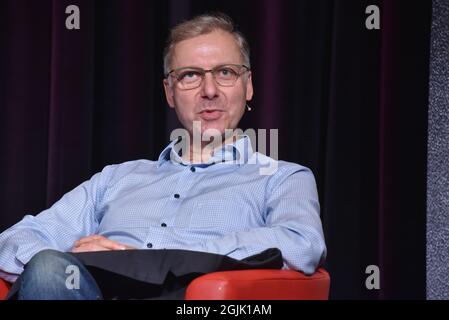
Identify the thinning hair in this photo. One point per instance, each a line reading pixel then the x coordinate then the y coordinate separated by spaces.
pixel 204 24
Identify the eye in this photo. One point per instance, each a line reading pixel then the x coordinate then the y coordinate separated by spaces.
pixel 226 72
pixel 189 75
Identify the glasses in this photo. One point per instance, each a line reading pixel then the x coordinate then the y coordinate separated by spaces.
pixel 191 77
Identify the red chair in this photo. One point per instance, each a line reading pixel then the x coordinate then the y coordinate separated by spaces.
pixel 260 285
pixel 4 288
pixel 251 285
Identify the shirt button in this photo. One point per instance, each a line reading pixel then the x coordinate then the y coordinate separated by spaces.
pixel 163 224
pixel 192 169
pixel 149 245
pixel 176 196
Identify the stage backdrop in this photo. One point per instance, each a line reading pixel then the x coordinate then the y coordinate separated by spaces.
pixel 350 103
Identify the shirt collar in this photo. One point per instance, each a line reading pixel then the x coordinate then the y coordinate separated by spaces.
pixel 237 152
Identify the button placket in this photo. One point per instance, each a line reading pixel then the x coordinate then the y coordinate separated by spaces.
pixel 185 181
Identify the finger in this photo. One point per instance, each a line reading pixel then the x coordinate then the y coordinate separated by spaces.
pixel 87 239
pixel 87 247
pixel 110 244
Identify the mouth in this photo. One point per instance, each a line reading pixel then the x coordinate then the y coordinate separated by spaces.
pixel 211 114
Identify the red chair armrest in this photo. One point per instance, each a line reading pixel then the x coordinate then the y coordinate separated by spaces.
pixel 260 285
pixel 4 288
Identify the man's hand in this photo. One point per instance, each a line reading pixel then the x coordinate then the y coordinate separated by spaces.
pixel 97 243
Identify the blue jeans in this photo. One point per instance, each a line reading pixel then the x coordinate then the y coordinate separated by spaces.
pixel 55 275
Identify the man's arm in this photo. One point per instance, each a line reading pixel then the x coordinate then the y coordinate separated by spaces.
pixel 293 225
pixel 69 219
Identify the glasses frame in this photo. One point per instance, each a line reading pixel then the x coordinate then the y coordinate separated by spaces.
pixel 203 72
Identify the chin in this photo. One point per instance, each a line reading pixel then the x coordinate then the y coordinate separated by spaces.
pixel 215 129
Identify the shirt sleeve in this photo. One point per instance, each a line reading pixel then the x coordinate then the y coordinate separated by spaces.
pixel 70 218
pixel 292 225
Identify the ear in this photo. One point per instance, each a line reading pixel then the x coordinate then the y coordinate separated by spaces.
pixel 249 87
pixel 169 93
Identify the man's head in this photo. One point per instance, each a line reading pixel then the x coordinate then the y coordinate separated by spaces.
pixel 216 98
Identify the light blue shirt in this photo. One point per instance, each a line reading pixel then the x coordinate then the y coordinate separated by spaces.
pixel 225 206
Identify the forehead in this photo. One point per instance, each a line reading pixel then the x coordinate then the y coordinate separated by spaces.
pixel 206 51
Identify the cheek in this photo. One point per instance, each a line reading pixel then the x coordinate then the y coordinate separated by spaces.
pixel 238 104
pixel 233 116
pixel 238 113
pixel 185 104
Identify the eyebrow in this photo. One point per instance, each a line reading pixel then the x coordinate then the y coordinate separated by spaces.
pixel 218 65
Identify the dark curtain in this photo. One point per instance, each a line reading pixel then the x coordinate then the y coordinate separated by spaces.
pixel 349 103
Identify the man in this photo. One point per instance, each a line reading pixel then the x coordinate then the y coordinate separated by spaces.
pixel 206 197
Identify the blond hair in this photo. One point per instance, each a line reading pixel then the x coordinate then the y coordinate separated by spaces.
pixel 204 24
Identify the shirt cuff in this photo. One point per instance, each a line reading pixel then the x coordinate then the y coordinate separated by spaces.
pixel 8 277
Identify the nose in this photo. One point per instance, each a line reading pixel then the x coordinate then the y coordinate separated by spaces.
pixel 209 86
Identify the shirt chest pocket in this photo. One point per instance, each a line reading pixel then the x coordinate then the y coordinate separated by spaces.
pixel 225 215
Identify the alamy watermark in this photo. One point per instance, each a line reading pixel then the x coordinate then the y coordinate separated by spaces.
pixel 373 280
pixel 72 281
pixel 73 20
pixel 372 22
pixel 258 140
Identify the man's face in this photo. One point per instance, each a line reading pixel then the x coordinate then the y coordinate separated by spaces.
pixel 216 106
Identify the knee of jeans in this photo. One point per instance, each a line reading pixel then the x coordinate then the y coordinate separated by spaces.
pixel 48 262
